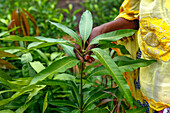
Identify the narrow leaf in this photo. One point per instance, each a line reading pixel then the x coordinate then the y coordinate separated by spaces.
pixel 113 36
pixel 64 77
pixel 45 104
pixel 127 64
pixel 115 72
pixel 85 25
pixel 33 21
pixel 6 54
pixel 6 65
pixel 25 24
pixel 99 71
pixel 24 107
pixel 68 31
pixel 6 111
pixel 17 38
pixel 68 50
pixel 58 66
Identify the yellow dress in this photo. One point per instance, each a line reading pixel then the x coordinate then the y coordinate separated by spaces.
pixel 154 42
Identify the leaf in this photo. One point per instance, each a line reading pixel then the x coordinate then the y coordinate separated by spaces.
pixel 137 110
pixel 6 32
pixel 25 25
pixel 85 25
pixel 17 38
pixel 99 71
pixel 115 72
pixel 17 94
pixel 45 103
pixel 20 81
pixel 68 50
pixel 52 40
pixel 37 66
pixel 92 98
pixel 15 17
pixel 12 47
pixel 6 65
pixel 63 103
pixel 104 102
pixel 33 21
pixel 113 36
pixel 26 58
pixel 35 92
pixel 4 75
pixel 6 111
pixel 58 66
pixel 127 64
pixel 64 83
pixel 36 45
pixel 24 107
pixel 6 54
pixel 68 31
pixel 64 77
pixel 97 111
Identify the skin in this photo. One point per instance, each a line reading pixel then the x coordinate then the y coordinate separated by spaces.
pixel 119 23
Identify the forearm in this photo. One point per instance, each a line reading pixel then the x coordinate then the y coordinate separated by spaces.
pixel 118 24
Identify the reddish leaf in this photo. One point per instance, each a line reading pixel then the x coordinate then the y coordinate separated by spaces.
pixel 25 25
pixel 103 102
pixel 33 21
pixel 17 21
pixel 6 65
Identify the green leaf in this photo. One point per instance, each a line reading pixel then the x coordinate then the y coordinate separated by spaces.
pixel 58 66
pixel 85 25
pixel 63 103
pixel 6 111
pixel 68 31
pixel 24 107
pixel 96 96
pixel 37 66
pixel 97 111
pixel 17 94
pixel 26 58
pixel 137 110
pixel 127 64
pixel 56 41
pixel 113 36
pixel 115 72
pixel 64 77
pixel 4 75
pixel 99 71
pixel 13 47
pixel 17 38
pixel 45 103
pixel 6 32
pixel 68 50
pixel 34 92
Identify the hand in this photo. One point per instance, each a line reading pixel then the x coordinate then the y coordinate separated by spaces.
pixel 95 32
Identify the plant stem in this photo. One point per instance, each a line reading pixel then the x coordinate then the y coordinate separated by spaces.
pixel 81 88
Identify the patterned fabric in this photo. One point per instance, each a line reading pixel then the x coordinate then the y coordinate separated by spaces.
pixel 153 87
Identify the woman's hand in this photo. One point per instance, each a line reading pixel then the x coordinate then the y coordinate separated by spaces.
pixel 95 32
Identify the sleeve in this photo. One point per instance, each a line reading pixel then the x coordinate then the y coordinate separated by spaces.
pixel 129 10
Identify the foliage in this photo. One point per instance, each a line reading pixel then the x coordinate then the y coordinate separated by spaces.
pixel 41 10
pixel 48 82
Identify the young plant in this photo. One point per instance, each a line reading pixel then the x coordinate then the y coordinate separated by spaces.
pixel 82 97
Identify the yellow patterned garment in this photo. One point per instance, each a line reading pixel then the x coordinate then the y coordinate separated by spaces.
pixel 154 42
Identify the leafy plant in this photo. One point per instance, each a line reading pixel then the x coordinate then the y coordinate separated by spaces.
pixel 80 95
